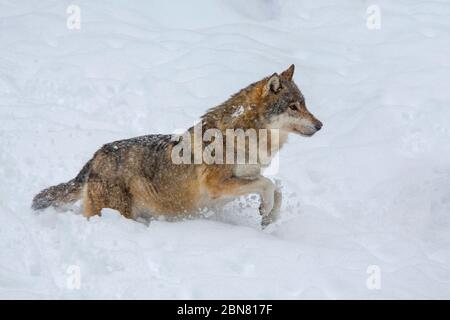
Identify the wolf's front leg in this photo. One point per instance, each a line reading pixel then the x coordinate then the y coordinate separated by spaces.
pixel 267 198
pixel 274 213
pixel 236 186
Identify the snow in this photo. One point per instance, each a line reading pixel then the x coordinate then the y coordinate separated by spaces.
pixel 372 188
pixel 238 112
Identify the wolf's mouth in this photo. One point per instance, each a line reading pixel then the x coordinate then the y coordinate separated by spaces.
pixel 303 134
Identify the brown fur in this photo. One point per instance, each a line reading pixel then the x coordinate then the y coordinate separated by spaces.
pixel 137 176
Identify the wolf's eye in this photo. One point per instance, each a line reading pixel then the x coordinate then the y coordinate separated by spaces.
pixel 293 107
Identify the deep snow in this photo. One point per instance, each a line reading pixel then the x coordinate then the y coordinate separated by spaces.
pixel 371 189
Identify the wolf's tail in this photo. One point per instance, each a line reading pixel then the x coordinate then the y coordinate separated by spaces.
pixel 62 193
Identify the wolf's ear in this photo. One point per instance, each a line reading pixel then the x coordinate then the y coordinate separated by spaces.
pixel 288 73
pixel 272 85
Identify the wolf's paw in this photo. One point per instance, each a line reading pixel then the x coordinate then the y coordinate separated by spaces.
pixel 265 221
pixel 265 208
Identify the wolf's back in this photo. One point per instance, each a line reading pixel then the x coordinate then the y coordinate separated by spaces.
pixel 62 193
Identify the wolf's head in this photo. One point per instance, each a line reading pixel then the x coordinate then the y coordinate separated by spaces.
pixel 285 106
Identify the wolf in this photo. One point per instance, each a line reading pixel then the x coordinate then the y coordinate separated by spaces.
pixel 139 178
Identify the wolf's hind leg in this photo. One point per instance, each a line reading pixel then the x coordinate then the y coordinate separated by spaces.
pixel 91 206
pixel 99 195
pixel 121 200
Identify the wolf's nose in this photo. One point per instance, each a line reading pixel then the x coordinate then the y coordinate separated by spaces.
pixel 318 125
